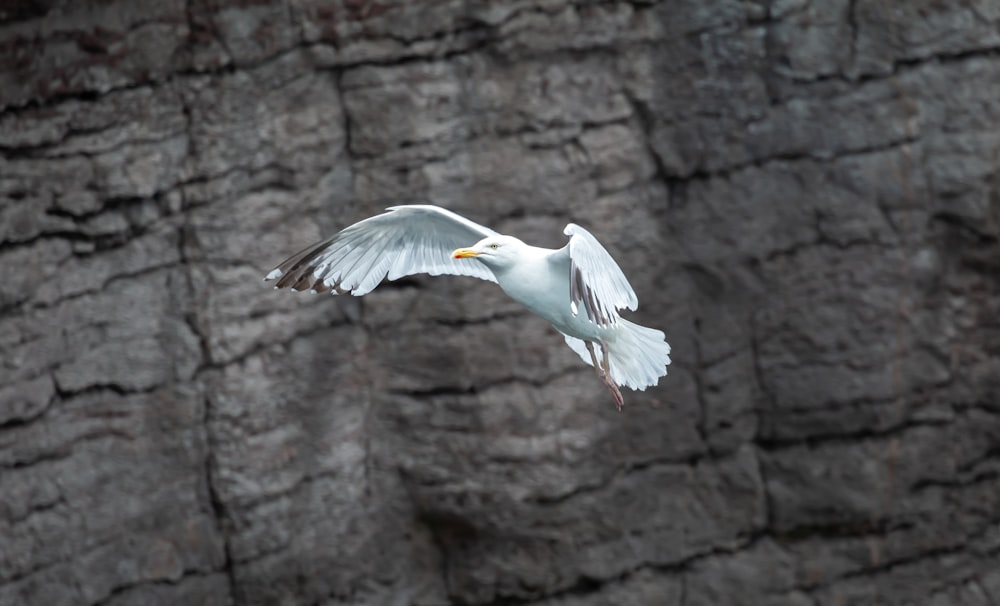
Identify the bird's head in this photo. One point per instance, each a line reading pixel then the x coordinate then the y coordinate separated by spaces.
pixel 495 252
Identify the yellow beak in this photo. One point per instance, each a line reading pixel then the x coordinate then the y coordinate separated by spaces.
pixel 464 253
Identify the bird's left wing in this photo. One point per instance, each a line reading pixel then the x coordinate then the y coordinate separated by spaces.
pixel 405 240
pixel 595 280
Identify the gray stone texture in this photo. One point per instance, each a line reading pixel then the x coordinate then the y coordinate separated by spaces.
pixel 804 193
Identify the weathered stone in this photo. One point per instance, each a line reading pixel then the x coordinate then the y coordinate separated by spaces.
pixel 804 195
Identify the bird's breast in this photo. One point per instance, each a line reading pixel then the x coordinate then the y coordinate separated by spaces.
pixel 542 285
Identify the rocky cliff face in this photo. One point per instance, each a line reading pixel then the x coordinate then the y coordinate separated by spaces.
pixel 804 193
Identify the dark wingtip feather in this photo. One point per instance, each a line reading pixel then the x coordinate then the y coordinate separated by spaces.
pixel 291 271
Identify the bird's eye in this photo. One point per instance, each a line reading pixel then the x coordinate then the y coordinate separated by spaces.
pixel 494 246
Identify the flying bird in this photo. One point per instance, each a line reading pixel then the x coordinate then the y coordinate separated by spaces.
pixel 578 288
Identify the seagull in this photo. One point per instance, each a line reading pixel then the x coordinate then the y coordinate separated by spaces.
pixel 578 288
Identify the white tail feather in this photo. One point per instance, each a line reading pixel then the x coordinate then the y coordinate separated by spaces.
pixel 639 356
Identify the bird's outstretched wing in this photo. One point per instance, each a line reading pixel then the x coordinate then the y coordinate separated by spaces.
pixel 405 240
pixel 595 280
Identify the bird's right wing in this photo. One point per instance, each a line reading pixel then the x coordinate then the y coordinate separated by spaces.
pixel 595 280
pixel 405 240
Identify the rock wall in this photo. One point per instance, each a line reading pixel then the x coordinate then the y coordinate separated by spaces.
pixel 804 193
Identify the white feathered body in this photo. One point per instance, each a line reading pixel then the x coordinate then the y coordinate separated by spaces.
pixel 541 282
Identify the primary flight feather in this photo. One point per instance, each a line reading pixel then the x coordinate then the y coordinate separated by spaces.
pixel 578 288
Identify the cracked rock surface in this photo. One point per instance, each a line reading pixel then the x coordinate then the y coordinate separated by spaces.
pixel 805 195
